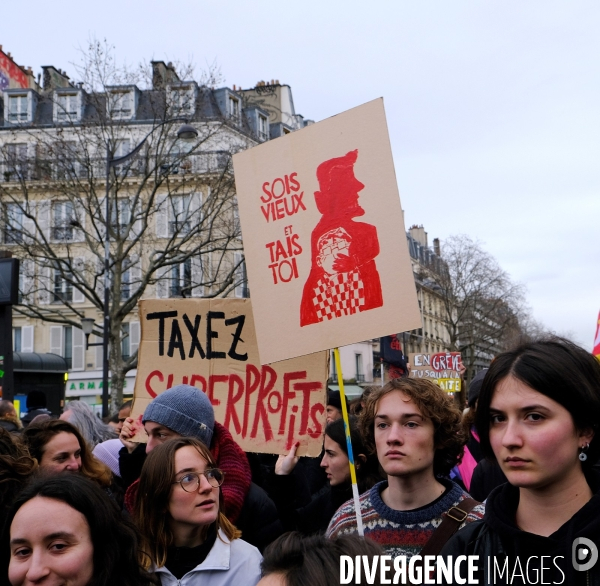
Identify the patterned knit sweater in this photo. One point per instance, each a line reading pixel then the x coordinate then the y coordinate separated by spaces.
pixel 399 532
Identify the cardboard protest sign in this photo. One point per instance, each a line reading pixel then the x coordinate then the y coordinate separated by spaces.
pixel 442 368
pixel 211 344
pixel 324 238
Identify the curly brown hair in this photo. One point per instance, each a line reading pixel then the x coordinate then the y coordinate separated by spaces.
pixel 435 405
pixel 16 466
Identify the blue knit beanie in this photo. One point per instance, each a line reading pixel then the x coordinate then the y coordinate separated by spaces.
pixel 184 409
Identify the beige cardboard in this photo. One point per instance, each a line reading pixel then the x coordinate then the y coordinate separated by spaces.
pixel 327 275
pixel 443 368
pixel 265 408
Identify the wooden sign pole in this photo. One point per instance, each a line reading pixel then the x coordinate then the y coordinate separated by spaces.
pixel 338 365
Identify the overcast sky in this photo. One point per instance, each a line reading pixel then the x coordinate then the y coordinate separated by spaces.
pixel 493 107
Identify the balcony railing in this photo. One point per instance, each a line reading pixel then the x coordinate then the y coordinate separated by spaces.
pixel 61 169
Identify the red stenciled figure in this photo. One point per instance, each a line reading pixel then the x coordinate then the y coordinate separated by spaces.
pixel 343 279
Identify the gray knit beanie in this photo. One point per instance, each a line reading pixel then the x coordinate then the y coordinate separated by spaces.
pixel 184 409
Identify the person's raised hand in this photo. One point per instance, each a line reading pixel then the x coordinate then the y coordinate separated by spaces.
pixel 285 464
pixel 130 428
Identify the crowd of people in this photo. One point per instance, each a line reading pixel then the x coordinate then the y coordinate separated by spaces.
pixel 512 477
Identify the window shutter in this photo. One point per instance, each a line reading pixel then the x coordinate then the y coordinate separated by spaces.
pixel 28 272
pixel 136 274
pixel 78 349
pixel 162 282
pixel 134 337
pixel 29 229
pixel 136 214
pixel 162 217
pixel 195 211
pixel 100 279
pixel 27 338
pixel 98 217
pixel 43 218
pixel 79 269
pixel 45 285
pixel 197 276
pixel 56 340
pixel 79 233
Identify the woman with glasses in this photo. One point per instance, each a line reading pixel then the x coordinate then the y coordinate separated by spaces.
pixel 184 536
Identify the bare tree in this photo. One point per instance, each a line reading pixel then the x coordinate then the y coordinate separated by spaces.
pixel 173 227
pixel 481 304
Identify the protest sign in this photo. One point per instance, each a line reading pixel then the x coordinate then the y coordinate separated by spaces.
pixel 211 344
pixel 443 368
pixel 324 238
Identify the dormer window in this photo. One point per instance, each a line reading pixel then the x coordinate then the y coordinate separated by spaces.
pixel 17 108
pixel 182 99
pixel 121 103
pixel 67 107
pixel 233 107
pixel 19 105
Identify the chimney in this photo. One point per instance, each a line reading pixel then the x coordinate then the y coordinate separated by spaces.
pixel 54 78
pixel 418 233
pixel 436 246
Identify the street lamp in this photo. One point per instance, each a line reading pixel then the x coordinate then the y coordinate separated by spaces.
pixel 185 132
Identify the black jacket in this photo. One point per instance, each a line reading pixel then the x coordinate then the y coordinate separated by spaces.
pixel 32 413
pixel 505 551
pixel 486 476
pixel 308 514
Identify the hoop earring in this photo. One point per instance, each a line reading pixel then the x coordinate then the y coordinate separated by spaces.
pixel 582 454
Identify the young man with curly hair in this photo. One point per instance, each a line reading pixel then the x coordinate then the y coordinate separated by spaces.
pixel 415 429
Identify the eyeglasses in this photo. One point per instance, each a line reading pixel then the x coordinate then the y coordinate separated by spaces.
pixel 191 481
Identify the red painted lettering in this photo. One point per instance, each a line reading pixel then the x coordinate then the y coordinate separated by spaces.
pixel 288 394
pixel 159 375
pixel 260 414
pixel 232 398
pixel 213 379
pixel 252 382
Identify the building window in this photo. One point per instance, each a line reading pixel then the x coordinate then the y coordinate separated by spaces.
pixel 179 212
pixel 68 346
pixel 67 164
pixel 360 377
pixel 63 220
pixel 234 107
pixel 125 341
pixel 120 105
pixel 334 375
pixel 13 223
pixel 263 132
pixel 17 332
pixel 181 279
pixel 63 289
pixel 120 215
pixel 125 284
pixel 66 107
pixel 182 100
pixel 16 160
pixel 240 277
pixel 18 108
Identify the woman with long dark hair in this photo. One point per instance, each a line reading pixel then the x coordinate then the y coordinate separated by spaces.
pixel 538 416
pixel 64 529
pixel 185 537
